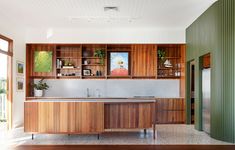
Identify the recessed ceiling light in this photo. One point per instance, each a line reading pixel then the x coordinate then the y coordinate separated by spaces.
pixel 110 8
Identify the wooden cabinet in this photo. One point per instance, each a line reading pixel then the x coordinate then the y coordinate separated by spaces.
pixel 94 66
pixel 68 61
pixel 128 115
pixel 170 61
pixel 144 61
pixel 64 117
pixel 77 60
pixel 206 61
pixel 170 110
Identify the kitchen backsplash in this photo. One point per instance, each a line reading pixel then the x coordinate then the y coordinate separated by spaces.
pixel 112 88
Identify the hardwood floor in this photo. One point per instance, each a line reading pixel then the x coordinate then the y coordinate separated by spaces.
pixel 125 147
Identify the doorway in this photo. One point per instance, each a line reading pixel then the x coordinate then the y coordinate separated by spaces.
pixel 5 82
pixel 192 92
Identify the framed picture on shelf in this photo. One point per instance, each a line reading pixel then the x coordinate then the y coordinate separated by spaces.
pixel 20 68
pixel 119 63
pixel 19 84
pixel 86 72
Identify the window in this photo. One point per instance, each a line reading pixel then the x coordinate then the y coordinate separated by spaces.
pixel 5 82
pixel 4 45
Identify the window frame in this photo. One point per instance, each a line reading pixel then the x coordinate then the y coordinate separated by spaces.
pixel 9 53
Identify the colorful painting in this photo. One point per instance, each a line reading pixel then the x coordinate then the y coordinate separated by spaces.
pixel 42 61
pixel 20 68
pixel 20 84
pixel 119 63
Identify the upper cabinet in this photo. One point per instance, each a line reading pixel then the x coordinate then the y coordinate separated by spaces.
pixel 104 61
pixel 144 60
pixel 170 60
pixel 40 60
pixel 68 61
pixel 94 61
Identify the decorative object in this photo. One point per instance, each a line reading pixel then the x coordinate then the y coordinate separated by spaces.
pixel 20 68
pixel 39 88
pixel 86 53
pixel 101 54
pixel 168 64
pixel 119 63
pixel 161 54
pixel 42 61
pixel 86 72
pixel 19 84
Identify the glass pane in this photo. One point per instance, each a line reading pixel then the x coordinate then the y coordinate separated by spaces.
pixel 3 90
pixel 4 45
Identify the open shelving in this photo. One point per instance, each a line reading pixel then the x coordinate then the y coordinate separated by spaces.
pixel 169 67
pixel 68 61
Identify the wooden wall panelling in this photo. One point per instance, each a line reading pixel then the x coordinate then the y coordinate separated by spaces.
pixel 206 61
pixel 183 66
pixel 170 110
pixel 64 117
pixel 144 60
pixel 128 116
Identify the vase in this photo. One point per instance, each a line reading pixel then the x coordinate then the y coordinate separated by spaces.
pixel 38 93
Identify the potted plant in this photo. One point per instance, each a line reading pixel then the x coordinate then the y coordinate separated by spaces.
pixel 161 56
pixel 101 54
pixel 39 88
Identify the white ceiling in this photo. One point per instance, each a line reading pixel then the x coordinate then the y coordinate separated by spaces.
pixel 90 13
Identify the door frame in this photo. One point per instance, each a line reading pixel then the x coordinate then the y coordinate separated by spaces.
pixel 9 55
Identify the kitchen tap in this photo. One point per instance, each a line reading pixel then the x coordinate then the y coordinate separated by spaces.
pixel 88 92
pixel 98 93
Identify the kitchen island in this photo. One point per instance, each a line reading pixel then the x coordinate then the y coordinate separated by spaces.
pixel 88 115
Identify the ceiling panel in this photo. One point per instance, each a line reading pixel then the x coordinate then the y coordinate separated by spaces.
pixel 90 13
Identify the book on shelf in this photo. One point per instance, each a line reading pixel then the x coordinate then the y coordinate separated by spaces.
pixel 67 67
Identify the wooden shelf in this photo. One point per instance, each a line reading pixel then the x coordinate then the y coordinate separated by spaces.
pixel 94 77
pixel 62 57
pixel 68 77
pixel 170 68
pixel 168 77
pixel 144 77
pixel 93 65
pixel 91 57
pixel 68 68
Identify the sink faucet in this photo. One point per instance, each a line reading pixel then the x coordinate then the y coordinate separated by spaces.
pixel 98 93
pixel 88 92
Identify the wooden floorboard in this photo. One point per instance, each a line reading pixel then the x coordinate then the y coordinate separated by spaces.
pixel 124 147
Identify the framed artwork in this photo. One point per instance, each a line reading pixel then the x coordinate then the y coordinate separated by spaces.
pixel 86 72
pixel 19 84
pixel 43 61
pixel 20 68
pixel 119 63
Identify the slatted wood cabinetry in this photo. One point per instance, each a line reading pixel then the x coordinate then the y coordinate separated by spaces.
pixel 170 111
pixel 128 116
pixel 64 117
pixel 144 60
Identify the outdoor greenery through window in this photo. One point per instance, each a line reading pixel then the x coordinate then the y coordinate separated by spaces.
pixel 3 87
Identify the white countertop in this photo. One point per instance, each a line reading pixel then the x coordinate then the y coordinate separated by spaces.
pixel 125 100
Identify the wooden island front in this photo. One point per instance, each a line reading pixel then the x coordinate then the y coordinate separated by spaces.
pixel 77 116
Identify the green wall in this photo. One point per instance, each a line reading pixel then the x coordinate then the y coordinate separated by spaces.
pixel 213 32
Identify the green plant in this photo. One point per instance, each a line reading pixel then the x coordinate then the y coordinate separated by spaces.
pixel 40 85
pixel 161 55
pixel 101 54
pixel 2 91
